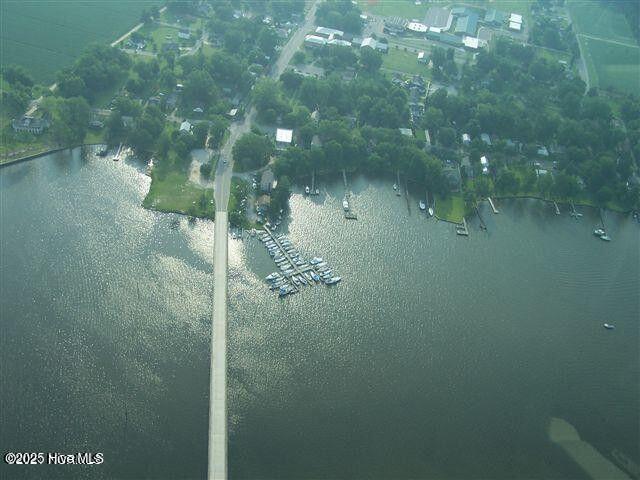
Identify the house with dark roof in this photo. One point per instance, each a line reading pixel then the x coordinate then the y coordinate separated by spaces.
pixel 30 124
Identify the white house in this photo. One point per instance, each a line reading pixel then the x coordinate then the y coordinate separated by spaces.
pixel 284 137
pixel 422 58
pixel 516 18
pixel 466 139
pixel 329 31
pixel 485 164
pixel 515 26
pixel 185 127
pixel 314 41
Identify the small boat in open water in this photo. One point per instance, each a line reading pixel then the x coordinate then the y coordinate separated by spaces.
pixel 606 238
pixel 395 187
pixel 598 232
pixel 345 204
pixel 307 190
pixel 608 326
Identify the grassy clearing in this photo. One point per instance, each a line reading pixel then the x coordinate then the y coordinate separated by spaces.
pixel 394 8
pixel 45 36
pixel 171 191
pixel 611 53
pixel 406 62
pixel 612 65
pixel 450 208
pixel 594 18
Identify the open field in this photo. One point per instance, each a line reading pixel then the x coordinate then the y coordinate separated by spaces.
pixel 409 10
pixel 406 62
pixel 45 36
pixel 611 53
pixel 612 65
pixel 395 8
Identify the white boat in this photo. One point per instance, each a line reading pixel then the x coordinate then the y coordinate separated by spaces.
pixel 317 191
pixel 608 326
pixel 422 205
pixel 273 276
pixel 606 238
pixel 599 232
pixel 307 190
pixel 395 187
pixel 431 212
pixel 315 260
pixel 333 280
pixel 345 204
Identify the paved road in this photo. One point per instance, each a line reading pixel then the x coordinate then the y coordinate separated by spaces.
pixel 222 186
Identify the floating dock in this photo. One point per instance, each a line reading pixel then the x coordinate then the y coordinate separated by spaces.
pixel 493 207
pixel 463 230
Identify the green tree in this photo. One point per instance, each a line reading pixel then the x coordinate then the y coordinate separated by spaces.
pixel 252 151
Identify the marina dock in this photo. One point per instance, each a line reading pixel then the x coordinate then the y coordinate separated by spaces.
pixel 295 271
pixel 398 182
pixel 493 207
pixel 463 230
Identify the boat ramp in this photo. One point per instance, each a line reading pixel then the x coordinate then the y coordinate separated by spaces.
pixel 493 207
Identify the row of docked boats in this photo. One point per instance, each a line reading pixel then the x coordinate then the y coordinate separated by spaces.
pixel 295 271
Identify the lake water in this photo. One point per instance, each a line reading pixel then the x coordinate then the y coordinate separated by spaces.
pixel 436 357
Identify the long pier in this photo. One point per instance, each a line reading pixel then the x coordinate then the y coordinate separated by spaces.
pixel 398 183
pixel 493 207
pixel 348 213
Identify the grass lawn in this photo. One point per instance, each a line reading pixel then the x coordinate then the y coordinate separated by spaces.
pixel 611 53
pixel 596 19
pixel 172 192
pixel 395 8
pixel 611 64
pixel 406 62
pixel 450 208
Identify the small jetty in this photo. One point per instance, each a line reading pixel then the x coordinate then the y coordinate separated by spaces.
pixel 116 157
pixel 493 207
pixel 555 204
pixel 398 183
pixel 346 201
pixel 462 228
pixel 406 189
pixel 574 213
pixel 314 190
pixel 295 271
pixel 483 225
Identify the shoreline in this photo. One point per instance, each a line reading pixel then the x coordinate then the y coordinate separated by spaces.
pixel 34 156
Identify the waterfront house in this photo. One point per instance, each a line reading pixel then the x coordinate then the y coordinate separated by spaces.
pixel 466 139
pixel 30 124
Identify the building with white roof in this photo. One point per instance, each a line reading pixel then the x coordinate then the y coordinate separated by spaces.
pixel 466 139
pixel 422 58
pixel 485 164
pixel 315 41
pixel 185 127
pixel 329 31
pixel 339 42
pixel 284 137
pixel 471 42
pixel 515 26
pixel 514 17
pixel 417 27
